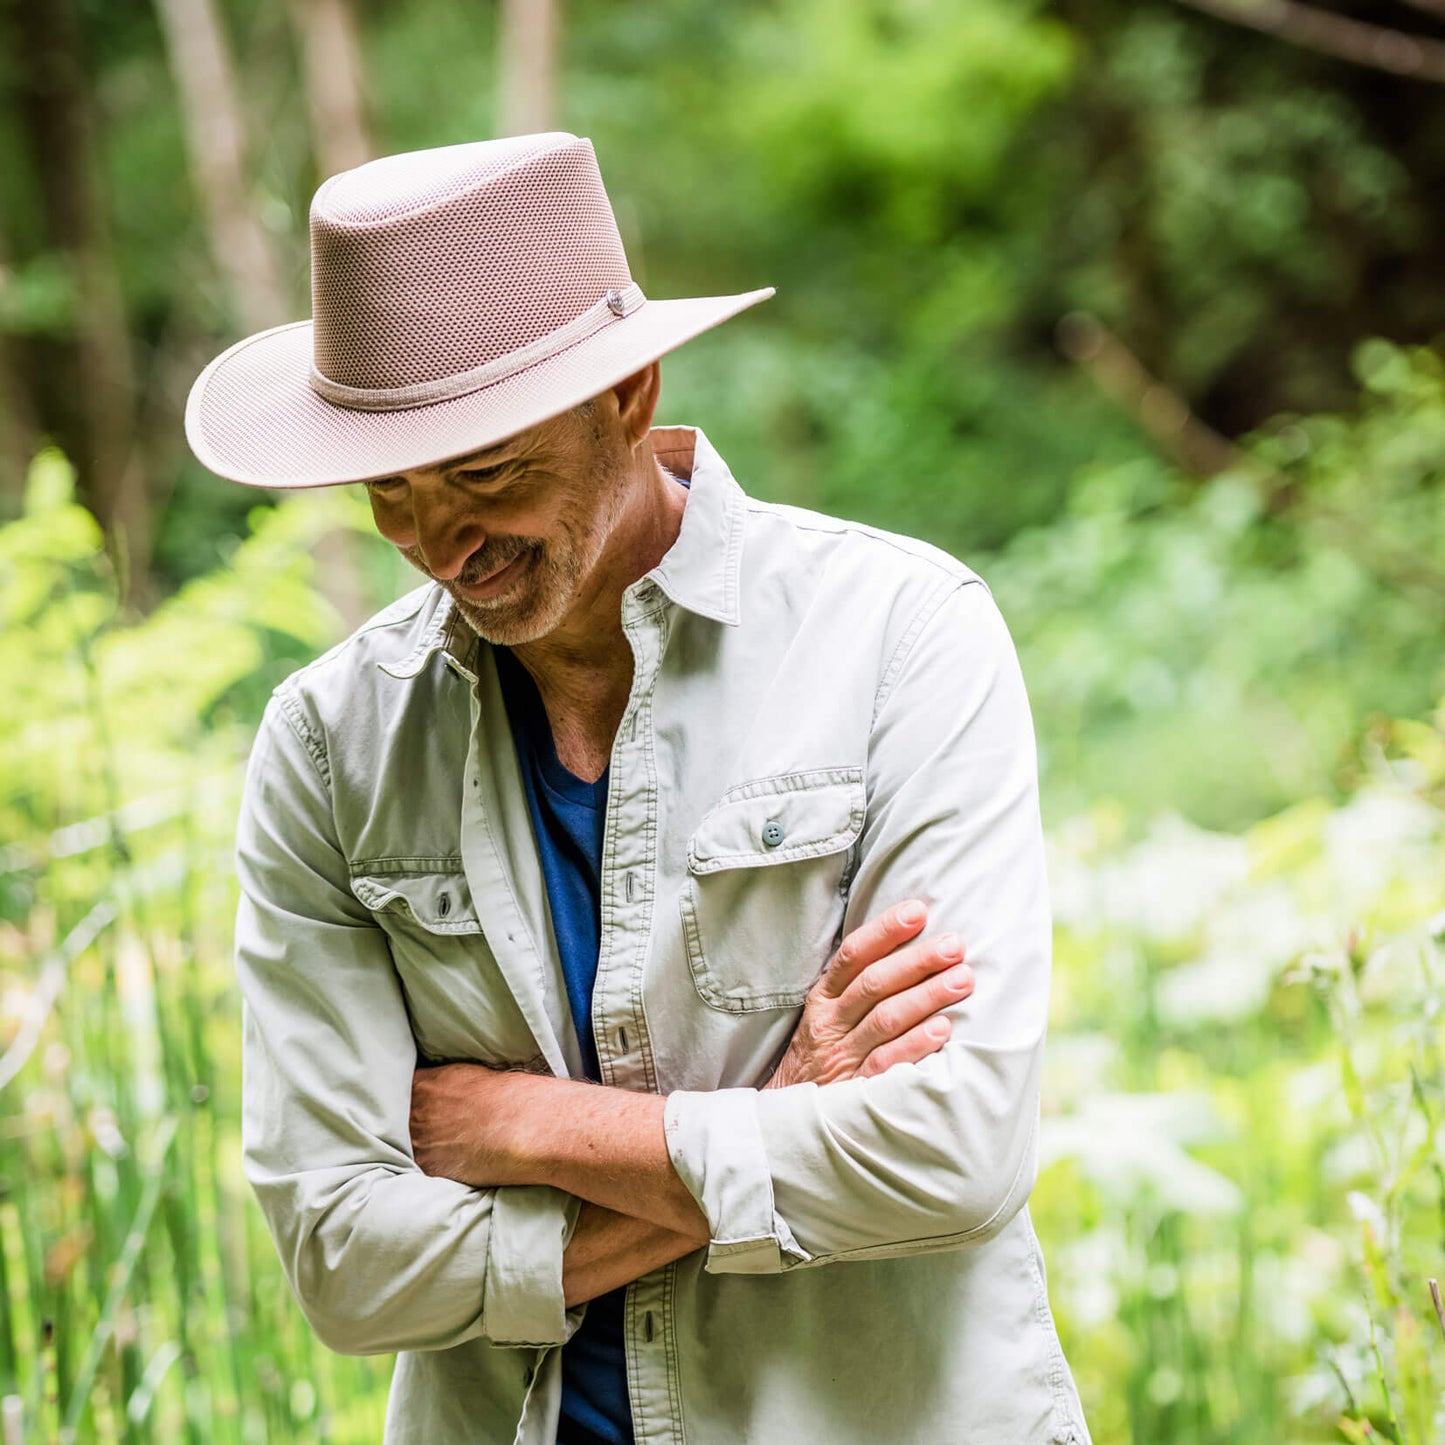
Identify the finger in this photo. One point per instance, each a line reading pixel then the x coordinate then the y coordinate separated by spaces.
pixel 914 1046
pixel 871 941
pixel 894 1016
pixel 906 966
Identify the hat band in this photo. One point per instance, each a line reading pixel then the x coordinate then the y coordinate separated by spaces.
pixel 612 307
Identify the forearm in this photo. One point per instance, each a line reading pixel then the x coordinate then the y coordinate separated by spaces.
pixel 487 1127
pixel 604 1145
pixel 609 1250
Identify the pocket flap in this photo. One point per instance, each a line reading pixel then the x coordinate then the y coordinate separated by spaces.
pixel 439 902
pixel 779 820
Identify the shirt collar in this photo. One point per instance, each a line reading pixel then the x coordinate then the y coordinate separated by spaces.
pixel 699 572
pixel 701 569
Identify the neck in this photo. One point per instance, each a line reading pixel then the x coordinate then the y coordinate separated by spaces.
pixel 588 652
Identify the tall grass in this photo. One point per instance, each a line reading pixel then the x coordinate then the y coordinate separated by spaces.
pixel 142 1299
pixel 1243 1195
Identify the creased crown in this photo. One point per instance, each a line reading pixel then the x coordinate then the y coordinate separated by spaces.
pixel 433 263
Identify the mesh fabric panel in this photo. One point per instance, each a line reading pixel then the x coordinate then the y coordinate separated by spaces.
pixel 439 268
pixel 394 186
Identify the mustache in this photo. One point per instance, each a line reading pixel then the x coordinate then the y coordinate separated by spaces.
pixel 491 557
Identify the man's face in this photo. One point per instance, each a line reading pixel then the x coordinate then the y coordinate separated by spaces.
pixel 512 532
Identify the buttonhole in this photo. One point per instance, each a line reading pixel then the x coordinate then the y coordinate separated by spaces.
pixel 647 1327
pixel 444 904
pixel 622 1040
pixel 629 888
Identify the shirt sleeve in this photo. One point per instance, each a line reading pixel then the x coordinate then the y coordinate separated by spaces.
pixel 381 1256
pixel 939 1154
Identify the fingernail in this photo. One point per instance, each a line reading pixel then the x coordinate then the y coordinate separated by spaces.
pixel 950 945
pixel 910 913
pixel 938 1028
pixel 959 978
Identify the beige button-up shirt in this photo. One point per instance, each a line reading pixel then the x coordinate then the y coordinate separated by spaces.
pixel 825 719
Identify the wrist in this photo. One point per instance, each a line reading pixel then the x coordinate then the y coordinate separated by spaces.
pixel 533 1142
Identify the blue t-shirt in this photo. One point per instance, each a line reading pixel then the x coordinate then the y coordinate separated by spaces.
pixel 568 818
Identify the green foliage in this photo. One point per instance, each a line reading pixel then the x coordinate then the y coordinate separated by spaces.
pixel 1247 625
pixel 1245 1175
pixel 1243 1180
pixel 141 1297
pixel 1232 681
pixel 1235 211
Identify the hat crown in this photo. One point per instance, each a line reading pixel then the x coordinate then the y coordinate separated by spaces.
pixel 432 263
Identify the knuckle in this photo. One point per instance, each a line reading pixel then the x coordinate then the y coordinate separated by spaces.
pixel 886 1019
pixel 872 985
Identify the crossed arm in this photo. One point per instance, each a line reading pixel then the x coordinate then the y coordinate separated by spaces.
pixel 385 1255
pixel 878 1003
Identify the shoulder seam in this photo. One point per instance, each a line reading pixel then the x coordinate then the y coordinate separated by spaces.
pixel 860 529
pixel 289 706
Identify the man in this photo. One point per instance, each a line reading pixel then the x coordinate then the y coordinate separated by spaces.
pixel 596 1060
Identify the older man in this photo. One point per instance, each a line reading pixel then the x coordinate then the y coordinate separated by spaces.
pixel 595 1057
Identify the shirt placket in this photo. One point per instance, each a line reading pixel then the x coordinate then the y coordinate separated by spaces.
pixel 624 1048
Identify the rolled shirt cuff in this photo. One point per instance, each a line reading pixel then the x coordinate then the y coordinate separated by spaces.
pixel 523 1301
pixel 715 1142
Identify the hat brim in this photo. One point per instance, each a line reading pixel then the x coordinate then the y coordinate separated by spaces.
pixel 253 418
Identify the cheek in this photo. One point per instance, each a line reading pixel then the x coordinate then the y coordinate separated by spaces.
pixel 392 521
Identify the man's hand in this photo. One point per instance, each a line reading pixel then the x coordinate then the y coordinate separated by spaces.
pixel 878 1003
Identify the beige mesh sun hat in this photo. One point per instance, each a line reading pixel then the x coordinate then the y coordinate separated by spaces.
pixel 459 296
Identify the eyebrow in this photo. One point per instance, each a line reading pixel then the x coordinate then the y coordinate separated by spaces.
pixel 495 454
pixel 461 464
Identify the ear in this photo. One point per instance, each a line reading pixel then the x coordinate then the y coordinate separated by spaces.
pixel 637 401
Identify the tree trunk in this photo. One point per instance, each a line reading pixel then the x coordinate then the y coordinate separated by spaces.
pixel 200 60
pixel 19 434
pixel 57 108
pixel 527 46
pixel 335 80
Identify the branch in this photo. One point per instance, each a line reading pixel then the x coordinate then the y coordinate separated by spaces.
pixel 1193 444
pixel 1164 414
pixel 1337 35
pixel 1430 7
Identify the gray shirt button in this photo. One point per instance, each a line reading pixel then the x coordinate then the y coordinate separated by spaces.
pixel 772 832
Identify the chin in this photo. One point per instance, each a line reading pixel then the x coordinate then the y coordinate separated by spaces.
pixel 510 626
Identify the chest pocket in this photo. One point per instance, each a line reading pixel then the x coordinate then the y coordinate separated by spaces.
pixel 459 1006
pixel 768 872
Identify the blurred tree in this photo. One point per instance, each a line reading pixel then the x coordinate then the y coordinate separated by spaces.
pixel 1239 211
pixel 931 186
pixel 91 399
pixel 335 83
pixel 528 42
pixel 19 435
pixel 215 133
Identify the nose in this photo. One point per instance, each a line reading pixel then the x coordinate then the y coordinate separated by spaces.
pixel 445 533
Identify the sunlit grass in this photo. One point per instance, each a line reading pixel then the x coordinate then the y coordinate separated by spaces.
pixel 1243 1191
